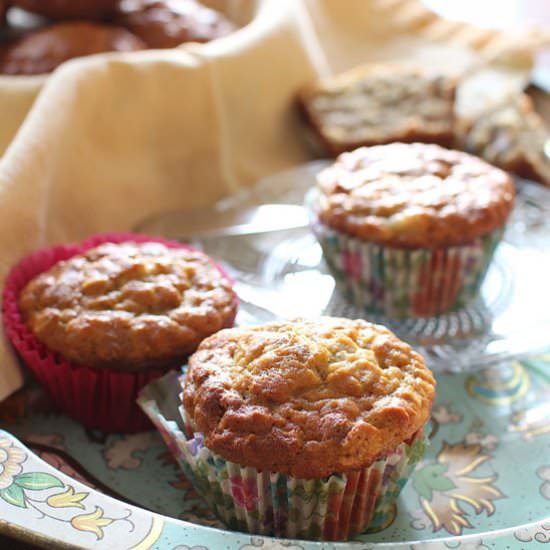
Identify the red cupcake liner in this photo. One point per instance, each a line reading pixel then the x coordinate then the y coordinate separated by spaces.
pixel 98 398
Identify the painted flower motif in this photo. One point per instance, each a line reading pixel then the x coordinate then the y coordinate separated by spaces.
pixel 11 458
pixel 92 522
pixel 444 486
pixel 489 442
pixel 121 452
pixel 444 415
pixel 67 499
pixel 352 264
pixel 245 492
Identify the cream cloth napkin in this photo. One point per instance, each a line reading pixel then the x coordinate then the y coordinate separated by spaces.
pixel 114 138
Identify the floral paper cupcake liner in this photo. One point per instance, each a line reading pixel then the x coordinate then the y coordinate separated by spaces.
pixel 401 283
pixel 102 399
pixel 246 499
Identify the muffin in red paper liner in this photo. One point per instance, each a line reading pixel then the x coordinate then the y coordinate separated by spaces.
pixel 97 321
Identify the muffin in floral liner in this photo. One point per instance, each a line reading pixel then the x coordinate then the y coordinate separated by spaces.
pixel 299 429
pixel 95 322
pixel 409 230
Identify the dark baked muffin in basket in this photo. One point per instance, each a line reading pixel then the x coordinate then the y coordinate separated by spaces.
pixel 43 50
pixel 98 321
pixel 68 9
pixel 409 230
pixel 303 428
pixel 169 23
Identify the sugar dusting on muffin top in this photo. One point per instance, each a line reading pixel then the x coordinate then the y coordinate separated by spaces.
pixel 414 195
pixel 307 397
pixel 128 306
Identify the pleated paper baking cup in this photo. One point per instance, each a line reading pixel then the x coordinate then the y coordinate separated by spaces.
pixel 401 283
pixel 246 499
pixel 99 398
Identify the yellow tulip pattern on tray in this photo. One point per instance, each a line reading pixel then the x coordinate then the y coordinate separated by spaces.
pixel 445 486
pixel 46 496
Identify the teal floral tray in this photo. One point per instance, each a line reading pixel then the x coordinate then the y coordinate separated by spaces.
pixel 484 482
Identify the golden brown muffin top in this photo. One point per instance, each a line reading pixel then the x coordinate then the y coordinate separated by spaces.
pixel 42 51
pixel 169 23
pixel 128 306
pixel 68 9
pixel 414 196
pixel 307 397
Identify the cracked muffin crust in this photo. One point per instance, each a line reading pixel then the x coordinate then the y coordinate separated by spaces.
pixel 68 9
pixel 380 103
pixel 128 306
pixel 307 398
pixel 169 23
pixel 414 196
pixel 42 51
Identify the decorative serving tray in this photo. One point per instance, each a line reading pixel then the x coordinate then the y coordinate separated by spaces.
pixel 484 482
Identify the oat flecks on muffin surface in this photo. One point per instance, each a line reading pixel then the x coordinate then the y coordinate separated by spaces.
pixel 307 398
pixel 414 195
pixel 128 306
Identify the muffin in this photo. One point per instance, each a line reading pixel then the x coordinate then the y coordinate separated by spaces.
pixel 68 9
pixel 169 23
pixel 409 230
pixel 43 50
pixel 303 428
pixel 96 322
pixel 380 103
pixel 513 137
